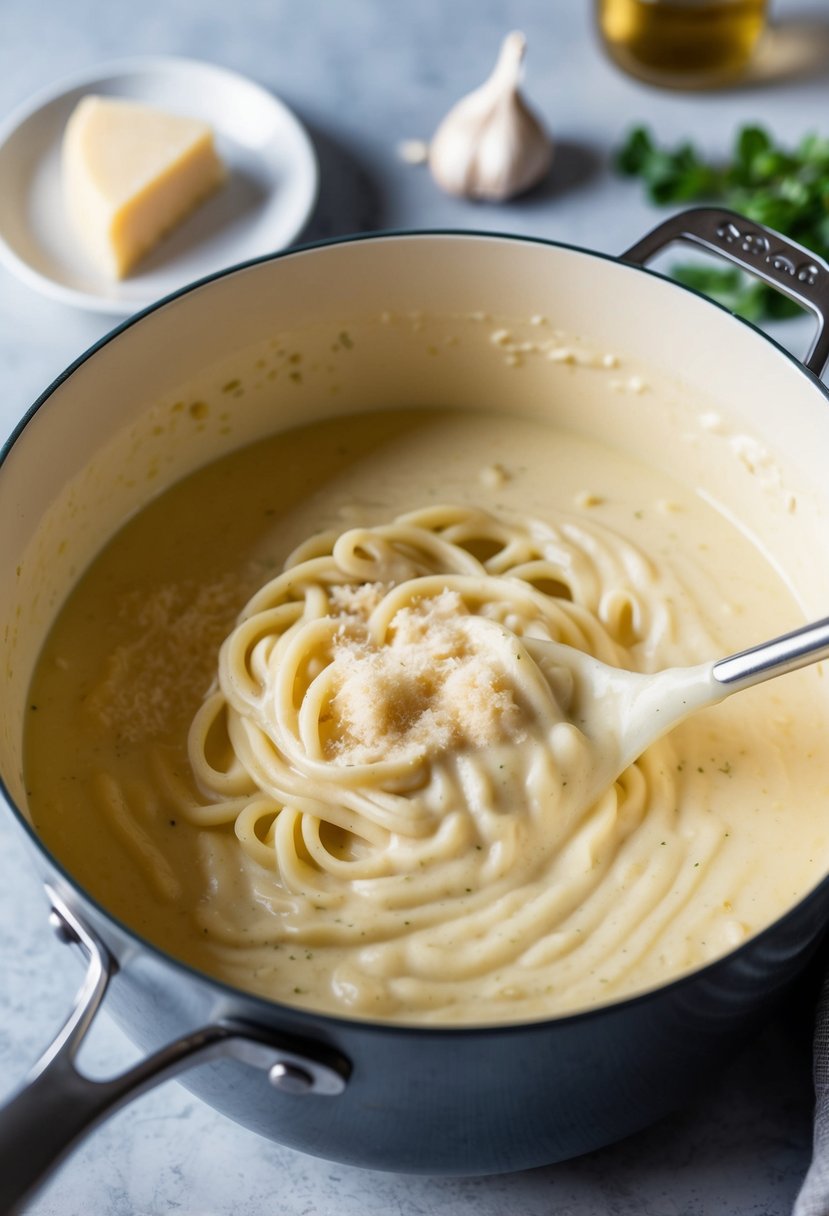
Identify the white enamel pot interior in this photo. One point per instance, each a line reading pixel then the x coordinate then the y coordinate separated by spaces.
pixel 380 324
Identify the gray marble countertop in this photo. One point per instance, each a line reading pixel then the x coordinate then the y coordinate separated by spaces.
pixel 364 75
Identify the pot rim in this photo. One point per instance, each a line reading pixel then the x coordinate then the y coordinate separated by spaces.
pixel 302 1014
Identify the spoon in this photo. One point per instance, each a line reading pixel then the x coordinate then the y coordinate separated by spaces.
pixel 624 712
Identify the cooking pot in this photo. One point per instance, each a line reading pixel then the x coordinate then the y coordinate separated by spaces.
pixel 378 323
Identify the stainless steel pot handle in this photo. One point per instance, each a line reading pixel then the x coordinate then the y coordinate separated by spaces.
pixel 58 1104
pixel 781 263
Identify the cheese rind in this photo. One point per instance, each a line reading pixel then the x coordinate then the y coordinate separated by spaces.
pixel 130 173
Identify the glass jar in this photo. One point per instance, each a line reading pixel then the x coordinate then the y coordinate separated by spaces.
pixel 681 43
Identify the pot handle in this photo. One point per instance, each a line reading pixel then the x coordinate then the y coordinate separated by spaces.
pixel 792 269
pixel 58 1104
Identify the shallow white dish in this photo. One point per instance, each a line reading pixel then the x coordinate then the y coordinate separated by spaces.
pixel 269 195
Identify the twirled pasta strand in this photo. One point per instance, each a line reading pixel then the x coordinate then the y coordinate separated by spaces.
pixel 436 855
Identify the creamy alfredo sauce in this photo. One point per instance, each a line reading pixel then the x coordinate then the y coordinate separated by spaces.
pixel 367 804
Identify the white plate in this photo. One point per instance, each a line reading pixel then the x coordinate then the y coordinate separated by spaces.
pixel 269 194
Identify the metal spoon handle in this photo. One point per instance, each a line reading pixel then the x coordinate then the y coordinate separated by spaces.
pixel 808 644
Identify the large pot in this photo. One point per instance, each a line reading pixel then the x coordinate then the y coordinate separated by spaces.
pixel 389 1096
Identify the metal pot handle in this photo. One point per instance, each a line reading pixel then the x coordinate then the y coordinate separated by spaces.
pixel 793 270
pixel 58 1104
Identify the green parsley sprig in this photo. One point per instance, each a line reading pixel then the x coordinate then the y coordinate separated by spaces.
pixel 784 189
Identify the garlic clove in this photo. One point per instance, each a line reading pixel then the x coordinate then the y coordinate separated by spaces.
pixel 490 145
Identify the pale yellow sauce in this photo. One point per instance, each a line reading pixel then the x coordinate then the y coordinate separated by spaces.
pixel 513 901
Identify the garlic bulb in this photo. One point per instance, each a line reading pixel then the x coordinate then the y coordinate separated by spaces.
pixel 490 145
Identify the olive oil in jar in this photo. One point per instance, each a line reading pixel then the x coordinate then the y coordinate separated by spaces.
pixel 681 43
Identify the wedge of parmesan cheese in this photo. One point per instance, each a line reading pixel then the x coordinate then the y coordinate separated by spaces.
pixel 130 173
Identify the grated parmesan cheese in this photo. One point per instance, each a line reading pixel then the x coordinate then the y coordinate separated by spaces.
pixel 170 660
pixel 428 688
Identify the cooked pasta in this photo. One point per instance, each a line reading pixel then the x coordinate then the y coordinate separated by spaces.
pixel 389 747
pixel 349 772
